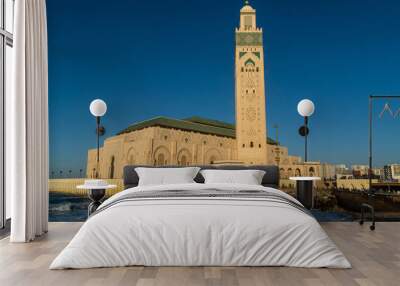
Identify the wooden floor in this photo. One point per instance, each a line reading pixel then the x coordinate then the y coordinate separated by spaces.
pixel 375 257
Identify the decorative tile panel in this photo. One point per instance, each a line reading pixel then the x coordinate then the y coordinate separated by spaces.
pixel 249 39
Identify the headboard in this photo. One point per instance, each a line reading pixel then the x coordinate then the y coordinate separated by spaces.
pixel 270 179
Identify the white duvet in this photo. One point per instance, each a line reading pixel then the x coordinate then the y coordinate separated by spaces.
pixel 202 232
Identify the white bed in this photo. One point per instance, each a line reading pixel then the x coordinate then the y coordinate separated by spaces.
pixel 200 231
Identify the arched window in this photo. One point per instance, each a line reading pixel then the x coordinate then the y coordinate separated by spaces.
pixel 160 160
pixel 298 172
pixel 162 156
pixel 184 157
pixel 290 172
pixel 211 156
pixel 131 156
pixel 282 173
pixel 183 161
pixel 311 171
pixel 251 144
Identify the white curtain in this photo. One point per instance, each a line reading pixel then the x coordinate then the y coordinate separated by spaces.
pixel 27 124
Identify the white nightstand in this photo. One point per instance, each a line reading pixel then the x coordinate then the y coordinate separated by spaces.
pixel 96 193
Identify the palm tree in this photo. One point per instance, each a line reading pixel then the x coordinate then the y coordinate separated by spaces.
pixel 80 173
pixel 70 172
pixel 61 173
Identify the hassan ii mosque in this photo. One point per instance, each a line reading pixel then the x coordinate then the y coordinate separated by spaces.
pixel 199 141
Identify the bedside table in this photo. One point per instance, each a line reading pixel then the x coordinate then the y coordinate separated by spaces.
pixel 304 187
pixel 96 194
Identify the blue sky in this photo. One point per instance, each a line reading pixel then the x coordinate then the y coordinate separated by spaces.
pixel 176 58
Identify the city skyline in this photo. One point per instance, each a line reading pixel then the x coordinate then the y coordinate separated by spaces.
pixel 145 78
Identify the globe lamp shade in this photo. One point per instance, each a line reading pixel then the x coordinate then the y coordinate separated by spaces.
pixel 98 107
pixel 306 108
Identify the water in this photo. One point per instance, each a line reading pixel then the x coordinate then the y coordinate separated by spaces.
pixel 326 216
pixel 70 208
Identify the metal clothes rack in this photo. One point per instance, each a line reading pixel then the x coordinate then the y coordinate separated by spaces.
pixel 371 192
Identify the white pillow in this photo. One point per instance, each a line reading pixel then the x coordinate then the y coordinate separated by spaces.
pixel 248 177
pixel 166 176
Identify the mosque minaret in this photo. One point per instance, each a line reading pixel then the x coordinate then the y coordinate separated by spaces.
pixel 251 131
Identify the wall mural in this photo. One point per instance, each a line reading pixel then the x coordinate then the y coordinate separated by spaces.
pixel 179 104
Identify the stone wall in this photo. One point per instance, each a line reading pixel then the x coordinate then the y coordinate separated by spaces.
pixel 68 186
pixel 354 184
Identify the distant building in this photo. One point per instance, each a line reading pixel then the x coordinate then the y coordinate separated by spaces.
pixel 391 172
pixel 359 170
pixel 396 171
pixel 341 169
pixel 328 171
pixel 387 173
pixel 378 172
